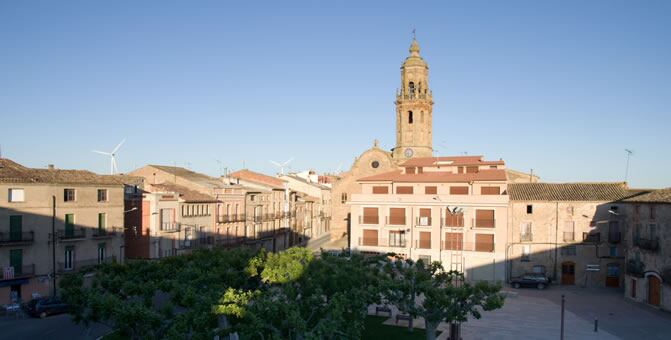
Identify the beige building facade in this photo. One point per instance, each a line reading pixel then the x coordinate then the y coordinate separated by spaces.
pixel 447 209
pixel 88 218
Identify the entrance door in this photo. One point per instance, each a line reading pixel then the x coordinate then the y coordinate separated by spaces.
pixel 613 275
pixel 653 290
pixel 568 273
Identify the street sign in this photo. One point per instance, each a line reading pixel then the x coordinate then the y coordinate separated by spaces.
pixel 592 268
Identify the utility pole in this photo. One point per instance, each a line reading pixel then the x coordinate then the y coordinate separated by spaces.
pixel 53 243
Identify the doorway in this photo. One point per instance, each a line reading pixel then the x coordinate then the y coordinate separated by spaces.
pixel 568 273
pixel 613 275
pixel 654 286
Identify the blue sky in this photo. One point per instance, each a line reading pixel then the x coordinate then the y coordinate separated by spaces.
pixel 561 87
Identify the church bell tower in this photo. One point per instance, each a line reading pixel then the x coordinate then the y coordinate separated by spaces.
pixel 413 108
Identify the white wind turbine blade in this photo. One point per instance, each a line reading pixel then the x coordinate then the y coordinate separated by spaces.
pixel 101 152
pixel 118 146
pixel 276 164
pixel 288 161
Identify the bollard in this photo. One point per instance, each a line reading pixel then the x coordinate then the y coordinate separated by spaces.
pixel 596 324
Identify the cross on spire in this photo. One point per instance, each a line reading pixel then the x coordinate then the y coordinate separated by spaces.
pixel 413 32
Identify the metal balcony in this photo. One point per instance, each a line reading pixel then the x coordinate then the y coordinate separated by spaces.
pixel 73 234
pixel 17 238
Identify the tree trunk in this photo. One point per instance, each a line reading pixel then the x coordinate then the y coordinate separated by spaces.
pixel 410 324
pixel 430 330
pixel 455 331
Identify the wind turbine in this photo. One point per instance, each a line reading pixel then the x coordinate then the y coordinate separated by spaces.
pixel 113 168
pixel 282 166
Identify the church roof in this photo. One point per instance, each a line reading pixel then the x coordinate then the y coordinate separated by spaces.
pixel 438 177
pixel 455 160
pixel 414 59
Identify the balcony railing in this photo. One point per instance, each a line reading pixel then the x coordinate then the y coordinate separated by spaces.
pixel 25 270
pixel 647 244
pixel 423 221
pixel 395 220
pixel 16 238
pixel 526 237
pixel 591 238
pixel 369 220
pixel 423 244
pixel 569 236
pixel 106 232
pixel 452 222
pixel 223 218
pixel 78 265
pixel 614 237
pixel 230 241
pixel 71 234
pixel 469 246
pixel 171 226
pixel 484 223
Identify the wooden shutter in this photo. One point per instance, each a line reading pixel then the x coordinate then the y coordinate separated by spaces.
pixel 431 190
pixel 484 242
pixel 15 227
pixel 410 170
pixel 471 169
pixel 397 216
pixel 454 219
pixel 370 216
pixel 490 190
pixel 459 190
pixel 454 241
pixel 380 190
pixel 484 218
pixel 404 190
pixel 369 237
pixel 425 240
pixel 425 212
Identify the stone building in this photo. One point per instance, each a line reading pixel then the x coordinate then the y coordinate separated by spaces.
pixel 648 241
pixel 447 209
pixel 88 215
pixel 570 231
pixel 318 216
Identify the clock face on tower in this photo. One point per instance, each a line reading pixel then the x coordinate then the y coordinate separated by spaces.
pixel 408 152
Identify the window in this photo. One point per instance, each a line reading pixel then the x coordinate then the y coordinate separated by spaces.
pixel 424 218
pixel 102 195
pixel 484 242
pixel 411 88
pixel 430 190
pixel 68 195
pixel 370 216
pixel 167 219
pixel 453 241
pixel 525 232
pixel 69 225
pixel 397 238
pixel 397 216
pixel 484 218
pixel 409 117
pixel 410 170
pixel 404 190
pixel 101 253
pixel 569 251
pixel 460 190
pixel 343 197
pixel 652 211
pixel 15 195
pixel 526 252
pixel 15 227
pixel 369 238
pixel 530 209
pixel 569 231
pixel 471 169
pixel 380 190
pixel 454 218
pixel 490 190
pixel 183 210
pixel 375 164
pixel 102 221
pixel 16 261
pixel 69 260
pixel 612 251
pixel 426 259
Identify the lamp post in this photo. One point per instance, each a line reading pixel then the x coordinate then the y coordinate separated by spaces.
pixel 53 244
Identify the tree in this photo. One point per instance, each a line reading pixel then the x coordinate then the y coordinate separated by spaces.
pixel 436 295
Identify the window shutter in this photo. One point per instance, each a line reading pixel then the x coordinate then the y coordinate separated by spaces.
pixel 454 219
pixel 370 216
pixel 425 239
pixel 490 190
pixel 380 190
pixel 459 190
pixel 484 218
pixel 454 241
pixel 404 190
pixel 397 216
pixel 484 242
pixel 369 237
pixel 431 190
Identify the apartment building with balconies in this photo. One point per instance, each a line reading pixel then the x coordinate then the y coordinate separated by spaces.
pixel 316 214
pixel 648 241
pixel 87 212
pixel 448 209
pixel 571 231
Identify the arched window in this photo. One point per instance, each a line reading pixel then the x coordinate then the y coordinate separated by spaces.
pixel 409 117
pixel 411 88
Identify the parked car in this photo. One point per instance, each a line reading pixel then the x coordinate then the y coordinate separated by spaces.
pixel 532 280
pixel 43 307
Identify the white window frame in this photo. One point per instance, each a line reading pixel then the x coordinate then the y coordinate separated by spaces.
pixel 10 195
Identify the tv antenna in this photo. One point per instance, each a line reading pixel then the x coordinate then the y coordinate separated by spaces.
pixel 626 170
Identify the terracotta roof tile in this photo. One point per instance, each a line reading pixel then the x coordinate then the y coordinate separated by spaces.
pixel 185 193
pixel 398 176
pixel 259 178
pixel 651 196
pixel 590 192
pixel 13 172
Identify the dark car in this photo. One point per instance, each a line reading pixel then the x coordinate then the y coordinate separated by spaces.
pixel 43 307
pixel 532 280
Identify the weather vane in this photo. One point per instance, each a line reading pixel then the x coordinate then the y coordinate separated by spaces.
pixel 413 32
